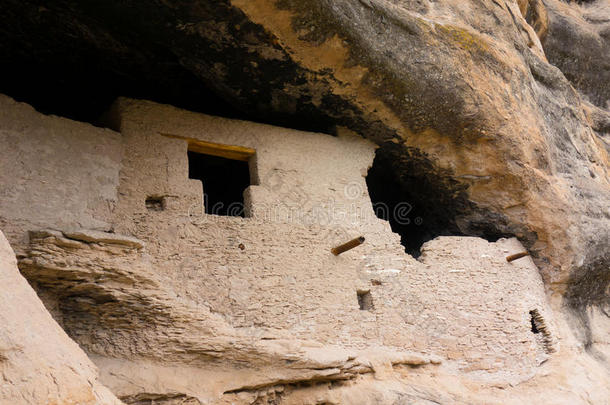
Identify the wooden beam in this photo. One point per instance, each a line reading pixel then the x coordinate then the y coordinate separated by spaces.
pixel 516 256
pixel 216 149
pixel 347 246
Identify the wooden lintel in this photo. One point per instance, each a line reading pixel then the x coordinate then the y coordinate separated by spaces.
pixel 216 149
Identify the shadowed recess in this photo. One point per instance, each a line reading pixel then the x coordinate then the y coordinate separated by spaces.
pixel 73 59
pixel 224 181
pixel 419 200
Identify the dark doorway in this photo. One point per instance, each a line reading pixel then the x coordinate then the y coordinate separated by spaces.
pixel 422 201
pixel 224 181
pixel 406 191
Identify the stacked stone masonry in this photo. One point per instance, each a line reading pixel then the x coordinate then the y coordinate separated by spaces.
pixel 74 207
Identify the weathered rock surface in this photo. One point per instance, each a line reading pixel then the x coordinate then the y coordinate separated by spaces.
pixel 85 158
pixel 163 299
pixel 153 346
pixel 460 94
pixel 578 43
pixel 496 112
pixel 111 301
pixel 39 363
pixel 469 89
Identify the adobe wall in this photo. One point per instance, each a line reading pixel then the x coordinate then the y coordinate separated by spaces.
pixel 461 300
pixel 54 172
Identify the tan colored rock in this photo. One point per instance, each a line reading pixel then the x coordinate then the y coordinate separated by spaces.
pixel 39 363
pixel 91 236
pixel 459 96
pixel 169 298
pixel 534 11
pixel 484 121
pixel 578 43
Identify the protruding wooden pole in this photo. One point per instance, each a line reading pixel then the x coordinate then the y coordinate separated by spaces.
pixel 516 256
pixel 347 246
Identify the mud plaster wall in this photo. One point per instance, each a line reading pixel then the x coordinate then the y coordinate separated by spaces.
pixel 54 171
pixel 461 300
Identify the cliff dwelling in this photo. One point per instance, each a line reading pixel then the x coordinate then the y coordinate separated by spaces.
pixel 299 203
pixel 260 261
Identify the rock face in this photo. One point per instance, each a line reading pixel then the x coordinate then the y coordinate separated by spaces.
pixel 461 95
pixel 578 43
pixel 491 119
pixel 39 363
pixel 163 296
pixel 469 90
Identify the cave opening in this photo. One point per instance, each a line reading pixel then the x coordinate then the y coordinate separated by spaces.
pixel 224 182
pixel 419 202
pixel 84 93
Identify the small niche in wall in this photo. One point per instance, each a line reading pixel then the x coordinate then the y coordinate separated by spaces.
pixel 155 203
pixel 365 300
pixel 539 328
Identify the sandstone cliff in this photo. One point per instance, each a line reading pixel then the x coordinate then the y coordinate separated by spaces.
pixel 40 364
pixel 491 118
